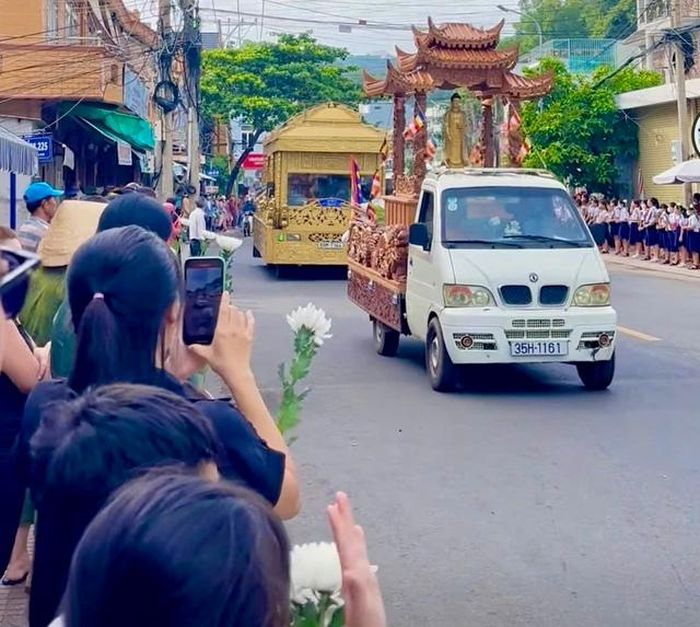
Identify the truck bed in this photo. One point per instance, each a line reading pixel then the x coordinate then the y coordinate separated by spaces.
pixel 383 299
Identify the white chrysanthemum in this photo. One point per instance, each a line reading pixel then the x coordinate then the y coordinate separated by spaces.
pixel 315 567
pixel 227 243
pixel 209 235
pixel 312 318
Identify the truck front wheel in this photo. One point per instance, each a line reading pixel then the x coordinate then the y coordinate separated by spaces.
pixel 386 340
pixel 597 375
pixel 441 371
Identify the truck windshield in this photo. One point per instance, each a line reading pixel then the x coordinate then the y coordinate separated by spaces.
pixel 535 217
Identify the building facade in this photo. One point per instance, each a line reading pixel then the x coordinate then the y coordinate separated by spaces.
pixel 656 114
pixel 77 79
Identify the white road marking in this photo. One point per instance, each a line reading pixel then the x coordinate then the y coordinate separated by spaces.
pixel 638 335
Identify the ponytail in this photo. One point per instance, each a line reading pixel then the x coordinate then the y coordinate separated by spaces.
pixel 120 285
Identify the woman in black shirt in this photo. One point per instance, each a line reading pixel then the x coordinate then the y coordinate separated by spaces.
pixel 123 291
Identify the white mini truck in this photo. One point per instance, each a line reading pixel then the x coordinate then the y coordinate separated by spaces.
pixel 501 269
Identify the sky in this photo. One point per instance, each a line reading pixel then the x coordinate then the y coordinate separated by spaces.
pixel 388 21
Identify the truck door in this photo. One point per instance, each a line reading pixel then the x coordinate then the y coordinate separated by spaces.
pixel 420 285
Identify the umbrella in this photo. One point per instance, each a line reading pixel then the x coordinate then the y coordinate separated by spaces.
pixel 685 172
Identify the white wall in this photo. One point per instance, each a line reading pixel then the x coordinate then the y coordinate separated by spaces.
pixel 22 183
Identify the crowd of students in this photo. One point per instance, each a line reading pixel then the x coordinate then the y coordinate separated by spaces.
pixel 668 234
pixel 156 504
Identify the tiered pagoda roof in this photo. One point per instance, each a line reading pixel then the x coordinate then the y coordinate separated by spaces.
pixel 457 55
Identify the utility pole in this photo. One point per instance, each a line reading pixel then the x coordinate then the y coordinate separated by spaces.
pixel 681 100
pixel 192 41
pixel 164 156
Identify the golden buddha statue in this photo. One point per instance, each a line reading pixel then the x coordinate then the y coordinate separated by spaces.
pixel 453 128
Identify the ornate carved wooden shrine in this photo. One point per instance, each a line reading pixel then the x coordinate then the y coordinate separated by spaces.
pixel 448 57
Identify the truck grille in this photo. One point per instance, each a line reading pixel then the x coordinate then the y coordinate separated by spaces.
pixel 516 294
pixel 538 329
pixel 553 294
pixel 538 323
pixel 545 334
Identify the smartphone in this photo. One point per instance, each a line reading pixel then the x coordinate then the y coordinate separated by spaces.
pixel 204 285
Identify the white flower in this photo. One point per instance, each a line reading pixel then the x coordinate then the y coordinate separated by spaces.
pixel 315 567
pixel 313 319
pixel 227 243
pixel 209 235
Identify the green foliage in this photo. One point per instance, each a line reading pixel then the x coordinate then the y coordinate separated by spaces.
pixel 565 19
pixel 220 164
pixel 265 83
pixel 290 408
pixel 577 131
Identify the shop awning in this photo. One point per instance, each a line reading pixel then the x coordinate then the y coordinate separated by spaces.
pixel 113 124
pixel 17 155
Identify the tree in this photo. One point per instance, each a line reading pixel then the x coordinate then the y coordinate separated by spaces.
pixel 577 131
pixel 266 83
pixel 565 19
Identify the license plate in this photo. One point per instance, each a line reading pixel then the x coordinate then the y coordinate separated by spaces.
pixel 330 245
pixel 543 348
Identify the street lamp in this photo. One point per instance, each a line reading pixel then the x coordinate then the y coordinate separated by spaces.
pixel 529 16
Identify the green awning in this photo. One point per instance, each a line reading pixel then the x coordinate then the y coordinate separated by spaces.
pixel 113 124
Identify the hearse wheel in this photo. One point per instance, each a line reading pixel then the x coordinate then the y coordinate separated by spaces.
pixel 386 340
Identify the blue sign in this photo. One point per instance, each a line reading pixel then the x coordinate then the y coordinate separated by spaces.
pixel 331 203
pixel 43 145
pixel 135 93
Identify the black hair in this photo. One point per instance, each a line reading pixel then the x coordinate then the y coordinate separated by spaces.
pixel 455 96
pixel 120 284
pixel 172 200
pixel 654 202
pixel 178 550
pixel 137 209
pixel 35 205
pixel 89 446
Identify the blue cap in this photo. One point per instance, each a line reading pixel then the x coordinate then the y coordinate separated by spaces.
pixel 38 191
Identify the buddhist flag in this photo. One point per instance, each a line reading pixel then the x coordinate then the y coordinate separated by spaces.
pixel 384 152
pixel 376 184
pixel 355 183
pixel 416 125
pixel 430 150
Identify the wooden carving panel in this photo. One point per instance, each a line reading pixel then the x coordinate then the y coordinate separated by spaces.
pixel 379 301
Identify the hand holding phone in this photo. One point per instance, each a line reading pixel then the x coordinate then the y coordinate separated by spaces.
pixel 229 353
pixel 204 285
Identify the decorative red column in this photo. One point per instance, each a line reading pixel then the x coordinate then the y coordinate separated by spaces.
pixel 487 132
pixel 419 143
pixel 399 144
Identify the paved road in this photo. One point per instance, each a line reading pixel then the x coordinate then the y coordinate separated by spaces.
pixel 523 500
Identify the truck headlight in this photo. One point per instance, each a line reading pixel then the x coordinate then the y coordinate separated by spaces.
pixel 596 295
pixel 466 296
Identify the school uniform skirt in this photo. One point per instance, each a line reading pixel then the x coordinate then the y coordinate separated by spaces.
pixel 693 243
pixel 599 232
pixel 652 236
pixel 634 233
pixel 672 240
pixel 624 231
pixel 615 229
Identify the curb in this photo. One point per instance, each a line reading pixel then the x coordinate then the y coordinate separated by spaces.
pixel 669 272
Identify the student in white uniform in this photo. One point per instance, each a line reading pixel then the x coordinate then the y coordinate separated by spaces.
pixel 624 228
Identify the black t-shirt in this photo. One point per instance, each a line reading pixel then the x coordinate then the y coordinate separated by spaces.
pixel 246 459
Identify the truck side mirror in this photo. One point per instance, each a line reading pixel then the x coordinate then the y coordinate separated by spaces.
pixel 418 235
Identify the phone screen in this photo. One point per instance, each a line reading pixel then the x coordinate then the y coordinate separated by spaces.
pixel 204 284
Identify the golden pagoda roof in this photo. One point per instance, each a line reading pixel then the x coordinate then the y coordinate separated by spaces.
pixel 328 127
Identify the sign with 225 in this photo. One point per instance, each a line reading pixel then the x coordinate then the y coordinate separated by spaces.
pixel 43 145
